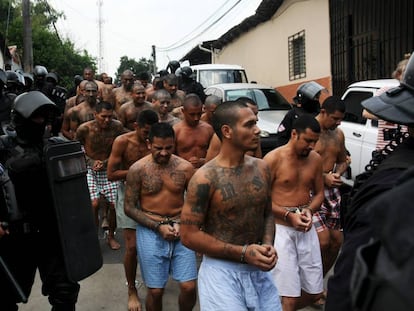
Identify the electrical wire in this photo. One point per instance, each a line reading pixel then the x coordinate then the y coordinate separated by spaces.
pixel 174 46
pixel 199 26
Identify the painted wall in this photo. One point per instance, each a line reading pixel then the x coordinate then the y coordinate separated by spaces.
pixel 264 52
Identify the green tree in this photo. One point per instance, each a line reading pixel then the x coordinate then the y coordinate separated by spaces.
pixel 143 65
pixel 56 54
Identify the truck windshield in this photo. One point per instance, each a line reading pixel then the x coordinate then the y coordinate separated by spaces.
pixel 210 77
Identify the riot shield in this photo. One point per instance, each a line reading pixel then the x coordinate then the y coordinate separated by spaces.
pixel 66 169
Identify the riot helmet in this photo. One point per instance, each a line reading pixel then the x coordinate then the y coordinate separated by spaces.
pixel 28 81
pixel 15 82
pixel 52 78
pixel 39 74
pixel 307 96
pixel 30 114
pixel 173 66
pixel 40 71
pixel 186 72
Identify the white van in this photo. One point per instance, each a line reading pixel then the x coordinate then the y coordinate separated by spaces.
pixel 360 133
pixel 209 74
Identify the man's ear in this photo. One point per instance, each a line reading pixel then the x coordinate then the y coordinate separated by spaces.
pixel 226 131
pixel 148 144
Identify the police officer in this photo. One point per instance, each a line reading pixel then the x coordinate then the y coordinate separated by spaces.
pixel 172 66
pixel 305 101
pixel 32 238
pixel 188 84
pixel 39 75
pixel 376 210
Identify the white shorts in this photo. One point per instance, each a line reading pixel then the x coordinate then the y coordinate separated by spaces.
pixel 299 265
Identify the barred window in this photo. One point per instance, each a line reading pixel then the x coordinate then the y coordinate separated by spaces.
pixel 297 53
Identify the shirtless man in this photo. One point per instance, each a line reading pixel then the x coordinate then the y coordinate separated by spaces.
pixel 156 184
pixel 126 150
pixel 227 216
pixel 72 102
pixel 193 135
pixel 107 87
pixel 129 111
pixel 89 75
pixel 97 137
pixel 123 94
pixel 81 113
pixel 170 83
pixel 210 105
pixel 331 147
pixel 215 143
pixel 161 102
pixel 297 192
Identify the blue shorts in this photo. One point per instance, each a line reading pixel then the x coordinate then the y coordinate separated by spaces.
pixel 159 258
pixel 230 286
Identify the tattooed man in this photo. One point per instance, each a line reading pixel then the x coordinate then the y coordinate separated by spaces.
pixel 97 137
pixel 227 216
pixel 154 197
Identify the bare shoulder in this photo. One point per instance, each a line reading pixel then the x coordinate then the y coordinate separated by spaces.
pixel 275 155
pixel 177 126
pixel 139 165
pixel 206 126
pixel 182 164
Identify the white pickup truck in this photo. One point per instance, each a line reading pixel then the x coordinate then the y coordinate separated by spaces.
pixel 361 133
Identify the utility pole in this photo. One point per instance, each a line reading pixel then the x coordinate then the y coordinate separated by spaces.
pixel 100 44
pixel 27 37
pixel 154 59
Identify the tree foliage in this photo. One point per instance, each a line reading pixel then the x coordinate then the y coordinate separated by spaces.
pixel 143 65
pixel 56 54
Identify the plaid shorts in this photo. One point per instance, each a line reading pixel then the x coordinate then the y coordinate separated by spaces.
pixel 99 184
pixel 328 217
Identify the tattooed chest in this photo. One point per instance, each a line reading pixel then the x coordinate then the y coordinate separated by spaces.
pixel 237 191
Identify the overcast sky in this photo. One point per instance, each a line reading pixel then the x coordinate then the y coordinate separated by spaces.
pixel 131 27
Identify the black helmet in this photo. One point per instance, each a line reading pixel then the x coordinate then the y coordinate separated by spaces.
pixel 186 72
pixel 40 71
pixel 173 66
pixel 12 77
pixel 27 103
pixel 52 77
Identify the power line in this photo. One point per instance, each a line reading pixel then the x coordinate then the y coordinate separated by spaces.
pixel 174 46
pixel 198 27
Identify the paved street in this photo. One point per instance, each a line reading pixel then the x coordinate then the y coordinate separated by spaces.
pixel 106 289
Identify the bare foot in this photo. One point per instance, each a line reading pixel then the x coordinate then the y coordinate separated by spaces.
pixel 133 301
pixel 113 244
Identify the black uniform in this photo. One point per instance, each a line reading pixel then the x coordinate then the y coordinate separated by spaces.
pixel 357 226
pixel 33 242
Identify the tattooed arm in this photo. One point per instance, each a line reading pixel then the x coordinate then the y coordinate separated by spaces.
pixel 132 198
